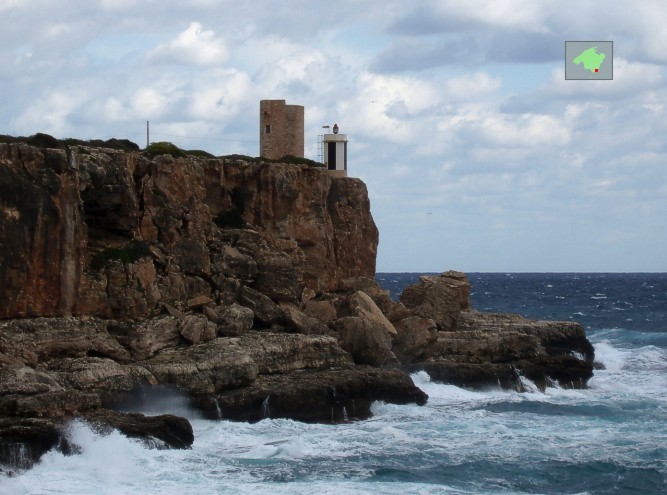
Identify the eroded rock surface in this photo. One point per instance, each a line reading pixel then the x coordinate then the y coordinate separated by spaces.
pixel 245 286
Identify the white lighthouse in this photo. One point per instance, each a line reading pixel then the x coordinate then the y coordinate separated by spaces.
pixel 335 152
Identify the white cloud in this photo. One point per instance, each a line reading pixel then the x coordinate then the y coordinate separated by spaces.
pixel 455 108
pixel 194 46
pixel 526 15
pixel 49 114
pixel 528 130
pixel 118 4
pixel 472 85
pixel 218 95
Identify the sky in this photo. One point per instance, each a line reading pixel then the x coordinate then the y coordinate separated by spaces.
pixel 478 155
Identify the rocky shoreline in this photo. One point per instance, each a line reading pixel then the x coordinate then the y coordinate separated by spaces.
pixel 245 286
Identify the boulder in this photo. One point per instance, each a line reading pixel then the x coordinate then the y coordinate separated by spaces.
pixel 324 311
pixel 231 263
pixel 415 339
pixel 204 368
pixel 197 329
pixel 555 338
pixel 27 381
pixel 361 305
pixel 301 323
pixel 58 404
pixel 192 257
pixel 161 431
pixel 393 310
pixel 367 341
pixel 265 310
pixel 441 298
pixel 148 337
pixel 232 321
pixel 199 301
pixel 131 288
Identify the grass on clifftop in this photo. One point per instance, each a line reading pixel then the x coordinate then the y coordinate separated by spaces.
pixel 42 140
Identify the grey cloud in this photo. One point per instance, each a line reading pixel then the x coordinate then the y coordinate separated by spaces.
pixel 405 55
pixel 512 47
pixel 409 54
pixel 423 21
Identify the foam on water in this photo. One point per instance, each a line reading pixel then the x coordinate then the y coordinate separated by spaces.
pixel 609 438
pixel 402 449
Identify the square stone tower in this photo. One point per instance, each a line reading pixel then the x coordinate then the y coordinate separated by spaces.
pixel 281 129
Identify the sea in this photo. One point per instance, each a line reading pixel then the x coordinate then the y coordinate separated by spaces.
pixel 610 438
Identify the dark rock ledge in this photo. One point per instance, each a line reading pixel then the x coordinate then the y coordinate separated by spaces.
pixel 247 287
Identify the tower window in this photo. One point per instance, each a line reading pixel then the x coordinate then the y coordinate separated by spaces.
pixel 267 129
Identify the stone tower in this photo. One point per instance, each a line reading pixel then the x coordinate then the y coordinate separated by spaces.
pixel 280 129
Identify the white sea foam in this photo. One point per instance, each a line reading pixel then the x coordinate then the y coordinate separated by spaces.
pixel 394 452
pixel 456 427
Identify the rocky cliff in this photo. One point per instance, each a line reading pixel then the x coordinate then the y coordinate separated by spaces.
pixel 114 234
pixel 245 286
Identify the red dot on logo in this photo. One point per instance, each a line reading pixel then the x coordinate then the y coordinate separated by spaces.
pixel 596 70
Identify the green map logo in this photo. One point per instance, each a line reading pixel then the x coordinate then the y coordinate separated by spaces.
pixel 589 60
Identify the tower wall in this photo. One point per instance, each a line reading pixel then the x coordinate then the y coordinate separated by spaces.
pixel 281 129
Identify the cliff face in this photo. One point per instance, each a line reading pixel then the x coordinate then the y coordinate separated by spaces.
pixel 246 286
pixel 67 220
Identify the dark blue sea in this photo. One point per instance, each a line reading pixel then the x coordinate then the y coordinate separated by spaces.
pixel 608 439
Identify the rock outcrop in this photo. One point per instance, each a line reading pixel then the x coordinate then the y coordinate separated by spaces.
pixel 120 272
pixel 478 350
pixel 246 287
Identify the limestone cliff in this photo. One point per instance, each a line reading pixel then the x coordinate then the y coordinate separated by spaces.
pixel 113 234
pixel 244 285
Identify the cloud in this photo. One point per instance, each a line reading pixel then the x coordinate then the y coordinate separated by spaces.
pixel 193 47
pixel 455 108
pixel 443 16
pixel 118 4
pixel 416 55
pixel 472 85
pixel 50 113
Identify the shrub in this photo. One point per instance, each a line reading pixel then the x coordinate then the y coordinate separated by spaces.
pixel 298 160
pixel 113 143
pixel 163 148
pixel 42 140
pixel 199 153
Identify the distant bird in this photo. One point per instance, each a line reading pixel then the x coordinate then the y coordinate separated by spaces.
pixel 429 213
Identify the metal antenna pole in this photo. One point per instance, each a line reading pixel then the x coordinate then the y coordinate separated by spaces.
pixel 148 133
